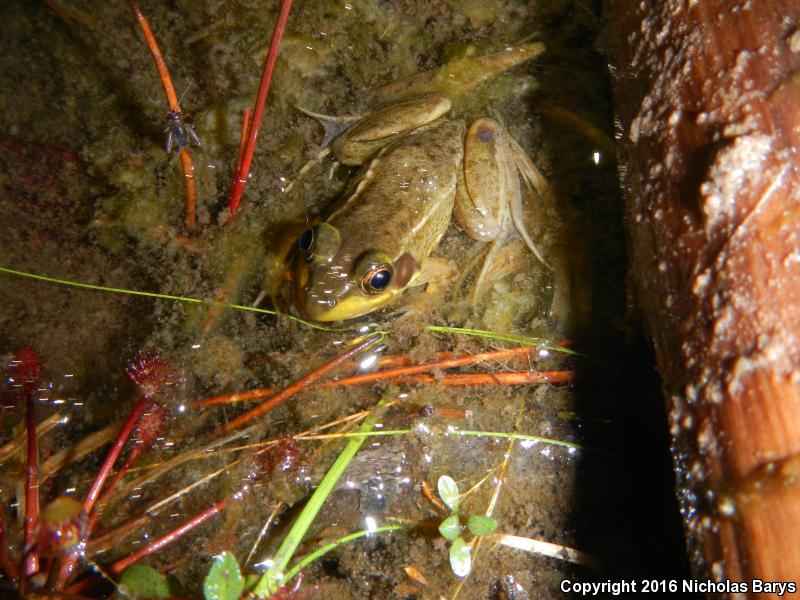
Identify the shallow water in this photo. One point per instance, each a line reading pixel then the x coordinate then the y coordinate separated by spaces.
pixel 90 196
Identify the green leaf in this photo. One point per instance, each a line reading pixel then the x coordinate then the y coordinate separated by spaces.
pixel 448 490
pixel 460 557
pixel 143 581
pixel 224 581
pixel 450 528
pixel 481 524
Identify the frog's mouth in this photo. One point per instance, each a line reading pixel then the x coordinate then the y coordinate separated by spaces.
pixel 321 301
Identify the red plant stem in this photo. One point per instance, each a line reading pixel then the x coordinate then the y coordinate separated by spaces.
pixel 243 138
pixel 446 362
pixel 389 360
pixel 428 494
pixel 240 177
pixel 297 386
pixel 174 106
pixel 113 454
pixel 235 397
pixel 60 13
pixel 508 378
pixel 68 564
pixel 30 557
pixel 112 485
pixel 446 380
pixel 401 360
pixel 134 454
pixel 158 59
pixel 191 189
pixel 171 537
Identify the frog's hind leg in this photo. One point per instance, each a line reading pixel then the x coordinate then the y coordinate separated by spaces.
pixel 354 139
pixel 536 184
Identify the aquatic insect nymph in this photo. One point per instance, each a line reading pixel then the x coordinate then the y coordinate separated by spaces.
pixel 180 134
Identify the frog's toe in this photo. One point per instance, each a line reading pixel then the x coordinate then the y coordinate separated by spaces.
pixel 333 125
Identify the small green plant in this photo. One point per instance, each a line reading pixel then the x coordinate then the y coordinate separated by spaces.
pixel 224 580
pixel 453 525
pixel 143 581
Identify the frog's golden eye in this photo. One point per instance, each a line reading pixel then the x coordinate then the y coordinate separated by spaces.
pixel 377 279
pixel 319 243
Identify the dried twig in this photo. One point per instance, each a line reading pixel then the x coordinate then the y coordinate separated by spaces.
pixel 11 448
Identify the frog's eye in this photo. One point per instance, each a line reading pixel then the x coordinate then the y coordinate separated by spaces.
pixel 377 279
pixel 319 243
pixel 305 242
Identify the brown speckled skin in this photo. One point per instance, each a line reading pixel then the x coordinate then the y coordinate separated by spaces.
pixel 402 202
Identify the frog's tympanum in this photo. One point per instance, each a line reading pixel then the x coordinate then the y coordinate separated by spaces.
pixel 418 170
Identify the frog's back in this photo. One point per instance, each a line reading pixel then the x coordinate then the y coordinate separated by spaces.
pixel 403 200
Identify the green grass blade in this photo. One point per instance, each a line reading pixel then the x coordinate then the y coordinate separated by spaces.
pixel 504 337
pixel 322 550
pixel 495 434
pixel 275 576
pixel 524 340
pixel 185 299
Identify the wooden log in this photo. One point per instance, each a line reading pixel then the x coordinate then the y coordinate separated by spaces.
pixel 707 96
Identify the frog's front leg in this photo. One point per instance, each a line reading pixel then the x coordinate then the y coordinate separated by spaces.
pixel 436 275
pixel 488 204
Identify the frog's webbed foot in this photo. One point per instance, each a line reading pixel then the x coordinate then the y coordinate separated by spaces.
pixel 333 125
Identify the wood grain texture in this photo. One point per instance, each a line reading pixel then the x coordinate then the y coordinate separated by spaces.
pixel 707 97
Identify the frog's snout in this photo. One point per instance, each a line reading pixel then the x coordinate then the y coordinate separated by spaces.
pixel 315 306
pixel 315 299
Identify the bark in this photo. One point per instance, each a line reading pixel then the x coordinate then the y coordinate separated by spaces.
pixel 707 95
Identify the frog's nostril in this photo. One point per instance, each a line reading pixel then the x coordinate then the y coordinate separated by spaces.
pixel 320 300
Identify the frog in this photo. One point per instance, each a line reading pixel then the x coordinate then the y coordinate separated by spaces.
pixel 420 170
